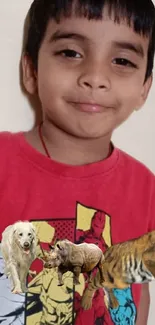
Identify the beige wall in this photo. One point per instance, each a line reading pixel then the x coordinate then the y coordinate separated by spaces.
pixel 136 136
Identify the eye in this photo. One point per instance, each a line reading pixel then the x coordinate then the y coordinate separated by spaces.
pixel 124 62
pixel 21 234
pixel 29 234
pixel 69 54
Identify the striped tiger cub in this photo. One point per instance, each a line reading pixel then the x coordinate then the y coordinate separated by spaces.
pixel 125 263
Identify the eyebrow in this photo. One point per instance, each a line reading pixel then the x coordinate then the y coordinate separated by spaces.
pixel 134 47
pixel 58 35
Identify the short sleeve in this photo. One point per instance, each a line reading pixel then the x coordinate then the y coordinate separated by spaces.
pixel 151 225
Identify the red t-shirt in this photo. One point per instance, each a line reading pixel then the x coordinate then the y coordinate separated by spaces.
pixel 106 202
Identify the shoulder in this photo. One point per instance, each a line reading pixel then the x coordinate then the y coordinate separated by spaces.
pixel 8 137
pixel 9 143
pixel 133 168
pixel 9 152
pixel 139 182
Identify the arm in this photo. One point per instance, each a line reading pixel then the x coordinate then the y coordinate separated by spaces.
pixel 143 309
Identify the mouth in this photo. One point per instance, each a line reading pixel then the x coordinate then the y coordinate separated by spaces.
pixel 89 107
pixel 26 250
pixel 47 265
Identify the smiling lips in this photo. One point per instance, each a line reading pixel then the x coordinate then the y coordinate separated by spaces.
pixel 89 107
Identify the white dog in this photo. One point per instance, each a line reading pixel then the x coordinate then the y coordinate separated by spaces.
pixel 18 247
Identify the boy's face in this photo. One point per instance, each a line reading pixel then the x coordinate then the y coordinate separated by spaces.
pixel 90 75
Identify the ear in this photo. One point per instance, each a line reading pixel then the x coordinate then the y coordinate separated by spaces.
pixel 58 245
pixel 144 92
pixel 51 247
pixel 33 228
pixel 29 75
pixel 63 250
pixel 15 234
pixel 14 228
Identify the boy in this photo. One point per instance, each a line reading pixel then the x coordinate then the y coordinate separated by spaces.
pixel 90 64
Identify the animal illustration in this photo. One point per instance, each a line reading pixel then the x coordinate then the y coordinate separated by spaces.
pixel 94 235
pixel 125 263
pixel 77 258
pixel 18 247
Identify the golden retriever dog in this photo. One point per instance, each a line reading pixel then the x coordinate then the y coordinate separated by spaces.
pixel 18 247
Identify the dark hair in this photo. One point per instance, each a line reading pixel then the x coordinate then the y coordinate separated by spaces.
pixel 138 13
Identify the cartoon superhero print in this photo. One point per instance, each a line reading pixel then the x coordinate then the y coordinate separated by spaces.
pixel 48 303
pixel 96 229
pixel 12 307
pixel 93 227
pixel 125 314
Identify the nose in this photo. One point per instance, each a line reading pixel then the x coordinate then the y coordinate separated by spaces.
pixel 94 77
pixel 26 244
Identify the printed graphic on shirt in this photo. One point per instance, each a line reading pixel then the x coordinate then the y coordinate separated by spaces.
pixel 48 303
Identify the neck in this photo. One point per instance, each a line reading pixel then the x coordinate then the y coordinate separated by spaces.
pixel 68 149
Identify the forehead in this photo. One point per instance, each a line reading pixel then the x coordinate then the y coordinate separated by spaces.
pixel 24 228
pixel 102 31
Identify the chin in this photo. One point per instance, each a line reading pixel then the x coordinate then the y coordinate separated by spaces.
pixel 94 135
pixel 95 132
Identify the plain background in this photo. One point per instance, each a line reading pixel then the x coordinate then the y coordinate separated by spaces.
pixel 136 136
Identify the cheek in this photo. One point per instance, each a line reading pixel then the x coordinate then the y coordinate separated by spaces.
pixel 54 82
pixel 48 89
pixel 129 97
